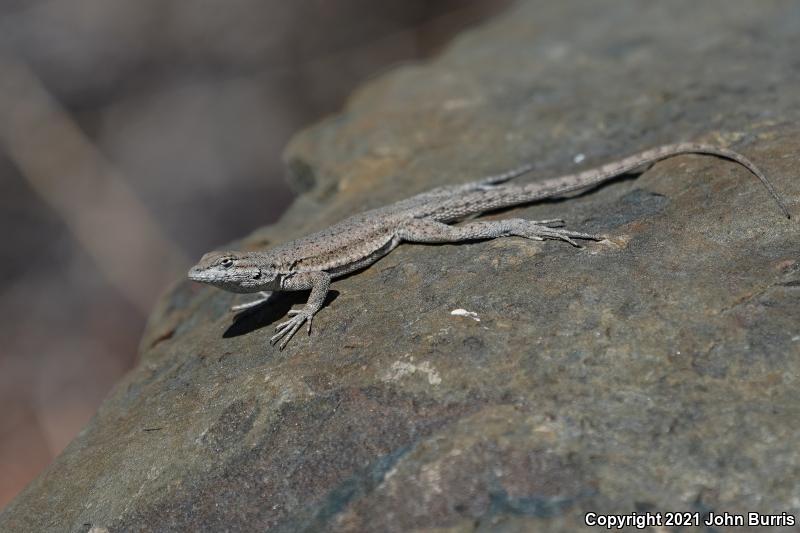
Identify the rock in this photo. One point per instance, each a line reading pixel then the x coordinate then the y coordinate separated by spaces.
pixel 656 371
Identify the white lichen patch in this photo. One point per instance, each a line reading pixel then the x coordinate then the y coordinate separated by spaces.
pixel 400 369
pixel 469 314
pixel 431 480
pixel 455 104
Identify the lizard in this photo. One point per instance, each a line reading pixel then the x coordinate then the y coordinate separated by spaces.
pixel 312 262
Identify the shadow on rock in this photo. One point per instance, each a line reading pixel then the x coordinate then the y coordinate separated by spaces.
pixel 273 310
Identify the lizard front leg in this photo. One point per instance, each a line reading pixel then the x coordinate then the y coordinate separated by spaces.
pixel 264 296
pixel 318 282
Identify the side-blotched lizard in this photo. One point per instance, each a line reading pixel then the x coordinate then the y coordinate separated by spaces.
pixel 313 261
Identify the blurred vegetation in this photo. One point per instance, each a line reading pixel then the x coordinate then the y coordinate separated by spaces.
pixel 135 135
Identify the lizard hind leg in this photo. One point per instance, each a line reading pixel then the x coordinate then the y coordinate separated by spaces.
pixel 550 222
pixel 431 231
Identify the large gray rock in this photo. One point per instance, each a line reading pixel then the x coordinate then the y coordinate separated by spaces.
pixel 655 371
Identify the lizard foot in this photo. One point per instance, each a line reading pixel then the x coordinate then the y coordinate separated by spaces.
pixel 550 223
pixel 286 330
pixel 547 232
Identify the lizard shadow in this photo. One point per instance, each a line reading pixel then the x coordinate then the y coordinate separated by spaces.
pixel 561 198
pixel 274 309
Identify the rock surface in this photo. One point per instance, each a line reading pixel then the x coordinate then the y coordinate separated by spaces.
pixel 655 371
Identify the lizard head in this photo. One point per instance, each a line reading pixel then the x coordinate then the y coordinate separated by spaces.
pixel 234 272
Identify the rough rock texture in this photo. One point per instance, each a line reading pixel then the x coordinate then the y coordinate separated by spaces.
pixel 656 371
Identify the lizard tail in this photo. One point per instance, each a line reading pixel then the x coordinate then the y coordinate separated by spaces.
pixel 572 182
pixel 510 195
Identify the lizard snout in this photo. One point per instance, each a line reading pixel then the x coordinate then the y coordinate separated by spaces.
pixel 196 273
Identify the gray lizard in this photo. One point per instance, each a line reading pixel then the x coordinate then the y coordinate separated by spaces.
pixel 313 261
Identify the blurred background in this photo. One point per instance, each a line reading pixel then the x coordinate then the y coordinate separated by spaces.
pixel 136 135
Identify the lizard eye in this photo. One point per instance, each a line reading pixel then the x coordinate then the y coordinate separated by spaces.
pixel 227 262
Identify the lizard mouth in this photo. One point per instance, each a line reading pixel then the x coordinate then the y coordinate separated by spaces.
pixel 195 274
